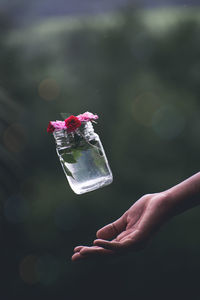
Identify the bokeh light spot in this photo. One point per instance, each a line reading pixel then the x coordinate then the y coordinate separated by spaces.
pixel 168 122
pixel 48 269
pixel 27 269
pixel 49 89
pixel 144 107
pixel 14 137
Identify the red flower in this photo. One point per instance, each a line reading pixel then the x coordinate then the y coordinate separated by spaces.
pixel 50 128
pixel 72 123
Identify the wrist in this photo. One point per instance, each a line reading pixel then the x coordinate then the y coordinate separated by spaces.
pixel 184 195
pixel 165 204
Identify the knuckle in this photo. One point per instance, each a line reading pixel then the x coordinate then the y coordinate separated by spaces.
pixel 147 196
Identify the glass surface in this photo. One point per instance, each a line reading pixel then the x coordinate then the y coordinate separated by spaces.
pixel 86 167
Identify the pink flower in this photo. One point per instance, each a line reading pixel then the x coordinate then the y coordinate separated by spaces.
pixel 56 125
pixel 71 123
pixel 87 116
pixel 59 125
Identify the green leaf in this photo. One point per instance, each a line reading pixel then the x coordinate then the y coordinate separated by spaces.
pixel 85 147
pixel 76 153
pixel 69 158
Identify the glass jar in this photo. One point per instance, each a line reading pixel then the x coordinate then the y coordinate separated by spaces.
pixel 83 159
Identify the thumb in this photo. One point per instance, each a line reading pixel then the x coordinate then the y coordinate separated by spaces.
pixel 111 230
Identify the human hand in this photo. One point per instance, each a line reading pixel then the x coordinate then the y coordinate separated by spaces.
pixel 131 231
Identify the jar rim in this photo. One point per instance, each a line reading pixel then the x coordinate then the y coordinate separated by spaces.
pixel 63 137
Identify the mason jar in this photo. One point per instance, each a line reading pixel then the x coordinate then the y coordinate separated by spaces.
pixel 83 158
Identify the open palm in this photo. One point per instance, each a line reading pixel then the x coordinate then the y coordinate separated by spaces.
pixel 130 232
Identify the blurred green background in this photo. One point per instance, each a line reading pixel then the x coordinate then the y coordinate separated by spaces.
pixel 139 70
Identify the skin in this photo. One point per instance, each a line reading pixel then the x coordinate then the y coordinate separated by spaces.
pixel 133 230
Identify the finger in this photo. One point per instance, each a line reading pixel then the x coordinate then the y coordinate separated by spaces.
pixel 95 250
pixel 78 248
pixel 122 235
pixel 114 245
pixel 91 252
pixel 111 230
pixel 77 256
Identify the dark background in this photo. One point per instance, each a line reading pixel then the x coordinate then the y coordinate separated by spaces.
pixel 138 68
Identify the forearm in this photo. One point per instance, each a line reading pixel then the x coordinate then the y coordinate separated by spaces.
pixel 184 195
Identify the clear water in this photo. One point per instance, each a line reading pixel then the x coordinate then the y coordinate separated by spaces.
pixel 87 168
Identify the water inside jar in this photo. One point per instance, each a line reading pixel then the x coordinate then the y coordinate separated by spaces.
pixel 86 167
